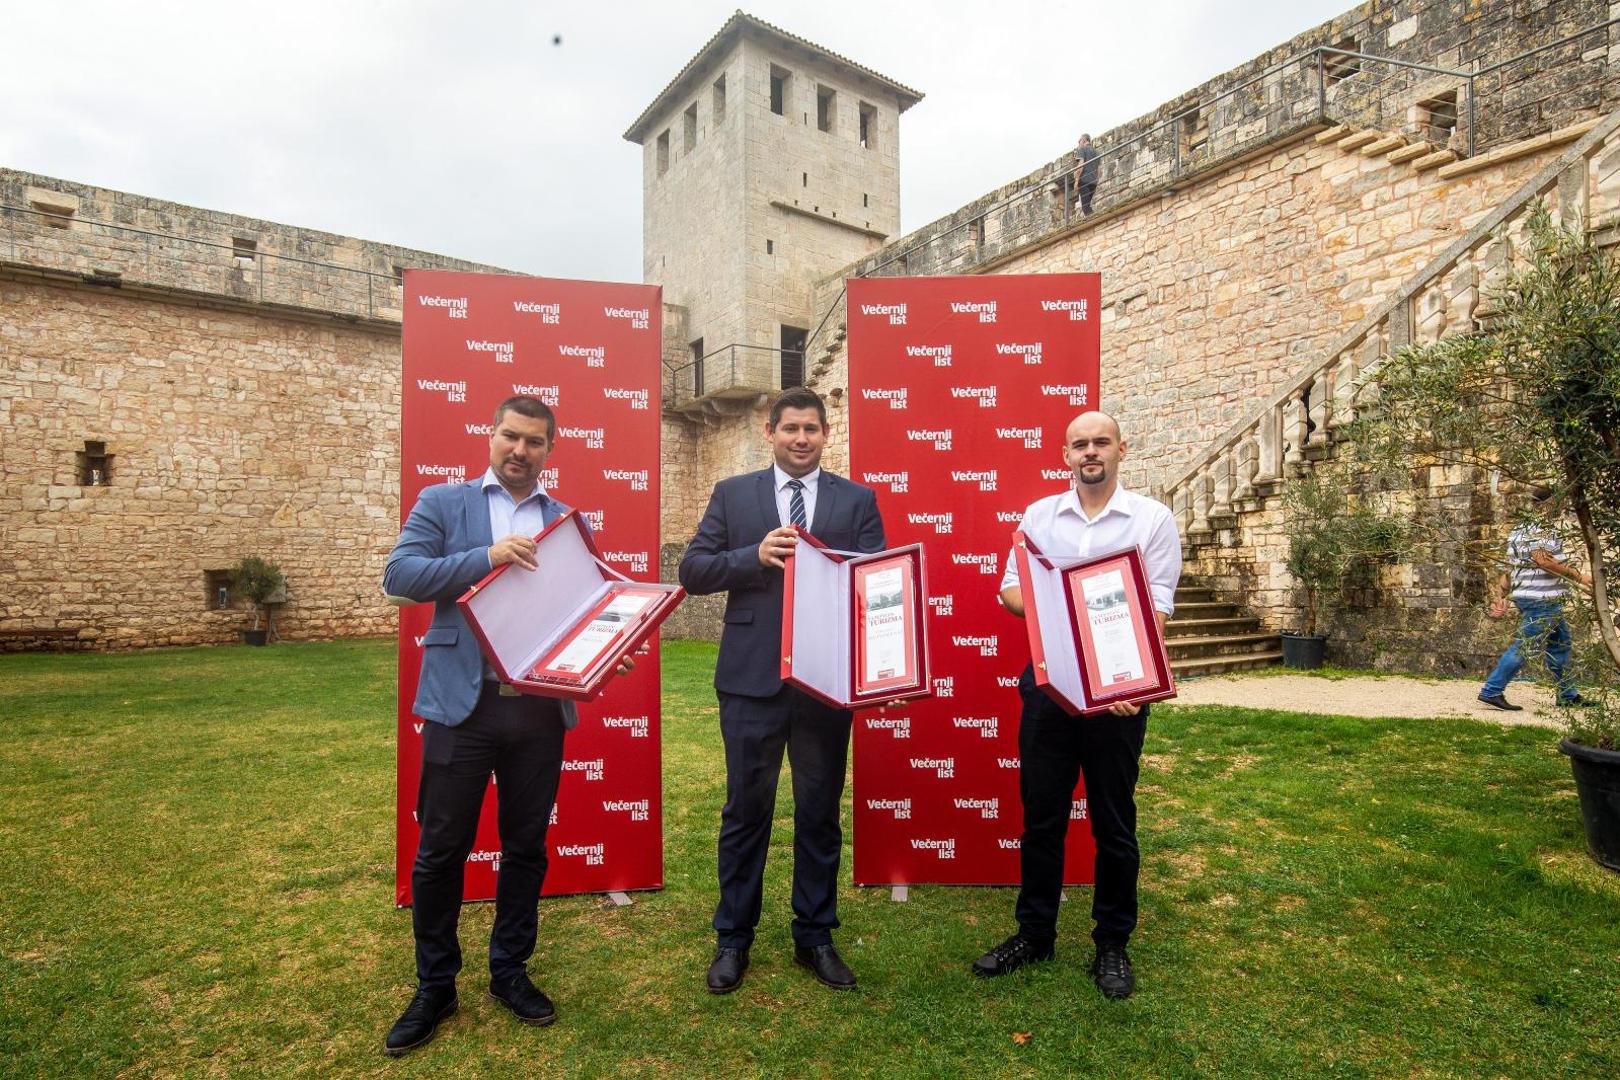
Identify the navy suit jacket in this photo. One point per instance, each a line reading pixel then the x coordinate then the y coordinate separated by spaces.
pixel 441 551
pixel 725 555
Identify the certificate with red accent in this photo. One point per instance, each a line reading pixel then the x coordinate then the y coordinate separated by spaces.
pixel 854 626
pixel 560 629
pixel 593 640
pixel 885 628
pixel 1093 634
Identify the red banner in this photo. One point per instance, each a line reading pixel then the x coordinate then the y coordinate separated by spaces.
pixel 592 352
pixel 961 388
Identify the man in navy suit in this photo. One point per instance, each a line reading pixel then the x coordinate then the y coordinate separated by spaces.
pixel 746 533
pixel 455 535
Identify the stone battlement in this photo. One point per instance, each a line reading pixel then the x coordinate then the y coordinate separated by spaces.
pixel 116 239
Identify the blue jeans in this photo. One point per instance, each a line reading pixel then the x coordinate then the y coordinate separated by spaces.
pixel 1541 627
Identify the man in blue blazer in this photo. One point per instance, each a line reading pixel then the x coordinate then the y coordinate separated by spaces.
pixel 455 535
pixel 746 533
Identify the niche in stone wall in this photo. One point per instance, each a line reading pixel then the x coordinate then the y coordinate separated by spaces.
pixel 94 464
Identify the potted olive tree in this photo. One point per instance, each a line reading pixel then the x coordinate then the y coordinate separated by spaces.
pixel 1534 397
pixel 1327 536
pixel 261 583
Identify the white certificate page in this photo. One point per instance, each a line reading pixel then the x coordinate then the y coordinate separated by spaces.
pixel 885 630
pixel 1113 632
pixel 599 633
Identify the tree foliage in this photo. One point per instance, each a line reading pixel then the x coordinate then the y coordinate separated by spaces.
pixel 1533 396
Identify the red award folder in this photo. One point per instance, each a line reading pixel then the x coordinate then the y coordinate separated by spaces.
pixel 854 627
pixel 561 629
pixel 1093 634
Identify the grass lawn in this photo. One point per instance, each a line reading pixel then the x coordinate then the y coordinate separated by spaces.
pixel 196 852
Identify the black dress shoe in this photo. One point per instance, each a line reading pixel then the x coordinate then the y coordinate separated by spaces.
pixel 1111 971
pixel 420 1020
pixel 726 969
pixel 1576 702
pixel 1497 701
pixel 824 961
pixel 1011 955
pixel 525 1000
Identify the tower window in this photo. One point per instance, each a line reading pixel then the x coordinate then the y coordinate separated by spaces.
pixel 689 128
pixel 399 276
pixel 720 100
pixel 663 152
pixel 697 367
pixel 244 251
pixel 770 247
pixel 868 126
pixel 865 199
pixel 95 464
pixel 826 108
pixel 793 339
pixel 779 89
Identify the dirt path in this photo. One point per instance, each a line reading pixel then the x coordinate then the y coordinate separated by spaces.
pixel 1369 695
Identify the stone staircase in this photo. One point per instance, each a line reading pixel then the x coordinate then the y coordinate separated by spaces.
pixel 1227 489
pixel 1209 635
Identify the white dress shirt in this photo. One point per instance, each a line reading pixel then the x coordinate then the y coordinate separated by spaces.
pixel 507 516
pixel 1061 529
pixel 784 495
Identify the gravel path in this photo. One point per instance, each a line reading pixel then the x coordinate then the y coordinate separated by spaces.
pixel 1369 695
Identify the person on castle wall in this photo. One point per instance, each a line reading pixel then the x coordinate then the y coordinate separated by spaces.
pixel 1535 581
pixel 749 529
pixel 1086 155
pixel 1095 516
pixel 455 535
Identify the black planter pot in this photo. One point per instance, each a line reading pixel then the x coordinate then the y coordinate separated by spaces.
pixel 1597 781
pixel 1304 650
pixel 255 637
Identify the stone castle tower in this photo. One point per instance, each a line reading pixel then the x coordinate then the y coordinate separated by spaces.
pixel 768 163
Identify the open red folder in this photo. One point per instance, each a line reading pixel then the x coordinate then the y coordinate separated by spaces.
pixel 561 629
pixel 1093 635
pixel 854 627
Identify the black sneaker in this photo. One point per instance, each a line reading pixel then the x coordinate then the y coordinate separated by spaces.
pixel 1111 971
pixel 420 1020
pixel 1011 955
pixel 1497 701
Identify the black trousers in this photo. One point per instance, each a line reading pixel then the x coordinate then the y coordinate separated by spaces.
pixel 1088 188
pixel 1054 750
pixel 816 737
pixel 520 740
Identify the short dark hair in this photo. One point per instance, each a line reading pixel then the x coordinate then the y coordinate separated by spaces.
pixel 1085 138
pixel 797 397
pixel 533 408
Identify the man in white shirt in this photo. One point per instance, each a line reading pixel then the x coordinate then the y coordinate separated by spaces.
pixel 1095 516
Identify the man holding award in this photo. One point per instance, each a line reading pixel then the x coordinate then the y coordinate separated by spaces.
pixel 749 529
pixel 1096 516
pixel 455 535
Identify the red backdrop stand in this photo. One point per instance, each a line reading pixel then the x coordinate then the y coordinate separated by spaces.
pixel 592 352
pixel 960 390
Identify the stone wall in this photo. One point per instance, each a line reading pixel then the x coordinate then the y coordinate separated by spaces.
pixel 231 434
pixel 1248 109
pixel 1424 611
pixel 1213 298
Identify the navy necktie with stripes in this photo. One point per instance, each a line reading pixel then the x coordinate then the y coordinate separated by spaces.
pixel 796 504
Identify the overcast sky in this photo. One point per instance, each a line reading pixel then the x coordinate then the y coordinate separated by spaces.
pixel 462 128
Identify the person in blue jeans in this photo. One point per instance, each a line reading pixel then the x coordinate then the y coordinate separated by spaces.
pixel 1535 581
